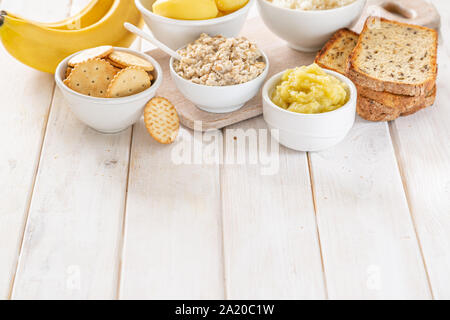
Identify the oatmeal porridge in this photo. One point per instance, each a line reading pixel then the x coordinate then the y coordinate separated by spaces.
pixel 220 61
pixel 311 4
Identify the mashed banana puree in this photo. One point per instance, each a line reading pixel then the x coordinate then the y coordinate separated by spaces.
pixel 309 89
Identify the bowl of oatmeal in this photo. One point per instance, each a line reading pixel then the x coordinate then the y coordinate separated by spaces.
pixel 219 74
pixel 306 25
pixel 176 33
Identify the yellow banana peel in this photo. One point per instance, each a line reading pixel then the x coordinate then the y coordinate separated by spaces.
pixel 93 12
pixel 43 48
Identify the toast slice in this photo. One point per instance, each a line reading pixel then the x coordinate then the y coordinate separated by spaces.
pixel 395 57
pixel 391 100
pixel 371 110
pixel 374 111
pixel 335 53
pixel 429 101
pixel 334 56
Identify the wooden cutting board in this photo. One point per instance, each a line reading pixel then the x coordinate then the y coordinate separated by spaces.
pixel 282 57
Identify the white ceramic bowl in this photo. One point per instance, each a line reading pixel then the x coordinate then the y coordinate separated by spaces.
pixel 221 99
pixel 309 132
pixel 308 30
pixel 109 115
pixel 178 33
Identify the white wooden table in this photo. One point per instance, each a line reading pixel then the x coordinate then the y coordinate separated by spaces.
pixel 86 215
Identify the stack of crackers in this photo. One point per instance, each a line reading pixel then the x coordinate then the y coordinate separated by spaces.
pixel 393 65
pixel 105 73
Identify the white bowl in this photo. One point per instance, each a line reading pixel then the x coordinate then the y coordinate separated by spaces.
pixel 109 115
pixel 219 99
pixel 309 132
pixel 308 30
pixel 178 33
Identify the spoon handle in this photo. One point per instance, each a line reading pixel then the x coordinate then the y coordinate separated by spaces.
pixel 152 40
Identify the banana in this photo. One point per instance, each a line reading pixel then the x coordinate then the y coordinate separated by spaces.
pixel 93 12
pixel 44 48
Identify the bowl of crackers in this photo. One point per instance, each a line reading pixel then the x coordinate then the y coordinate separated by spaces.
pixel 107 88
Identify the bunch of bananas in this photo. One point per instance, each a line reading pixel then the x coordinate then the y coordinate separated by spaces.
pixel 43 45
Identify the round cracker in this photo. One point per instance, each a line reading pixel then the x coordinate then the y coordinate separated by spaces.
pixel 68 71
pixel 126 59
pixel 161 120
pixel 92 77
pixel 129 81
pixel 89 54
pixel 115 64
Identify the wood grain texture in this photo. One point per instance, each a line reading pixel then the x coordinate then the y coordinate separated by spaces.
pixel 72 239
pixel 173 239
pixel 270 236
pixel 26 97
pixel 174 216
pixel 423 149
pixel 73 235
pixel 369 246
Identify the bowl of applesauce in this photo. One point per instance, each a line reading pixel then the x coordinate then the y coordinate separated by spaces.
pixel 186 23
pixel 310 108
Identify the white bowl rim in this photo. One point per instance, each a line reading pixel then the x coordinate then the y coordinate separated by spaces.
pixel 347 105
pixel 312 11
pixel 262 75
pixel 206 22
pixel 97 100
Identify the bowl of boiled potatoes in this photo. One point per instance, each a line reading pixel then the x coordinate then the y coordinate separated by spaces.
pixel 179 22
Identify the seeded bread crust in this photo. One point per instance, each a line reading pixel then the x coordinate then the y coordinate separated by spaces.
pixel 429 101
pixel 334 55
pixel 391 100
pixel 362 78
pixel 374 111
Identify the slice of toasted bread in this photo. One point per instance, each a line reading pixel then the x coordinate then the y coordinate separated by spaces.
pixel 335 53
pixel 391 100
pixel 429 101
pixel 374 111
pixel 395 57
pixel 334 56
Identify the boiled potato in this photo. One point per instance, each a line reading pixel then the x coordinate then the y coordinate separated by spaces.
pixel 221 14
pixel 230 5
pixel 186 9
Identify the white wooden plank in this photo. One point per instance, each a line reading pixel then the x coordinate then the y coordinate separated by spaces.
pixel 369 246
pixel 270 235
pixel 73 235
pixel 423 148
pixel 26 98
pixel 173 239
